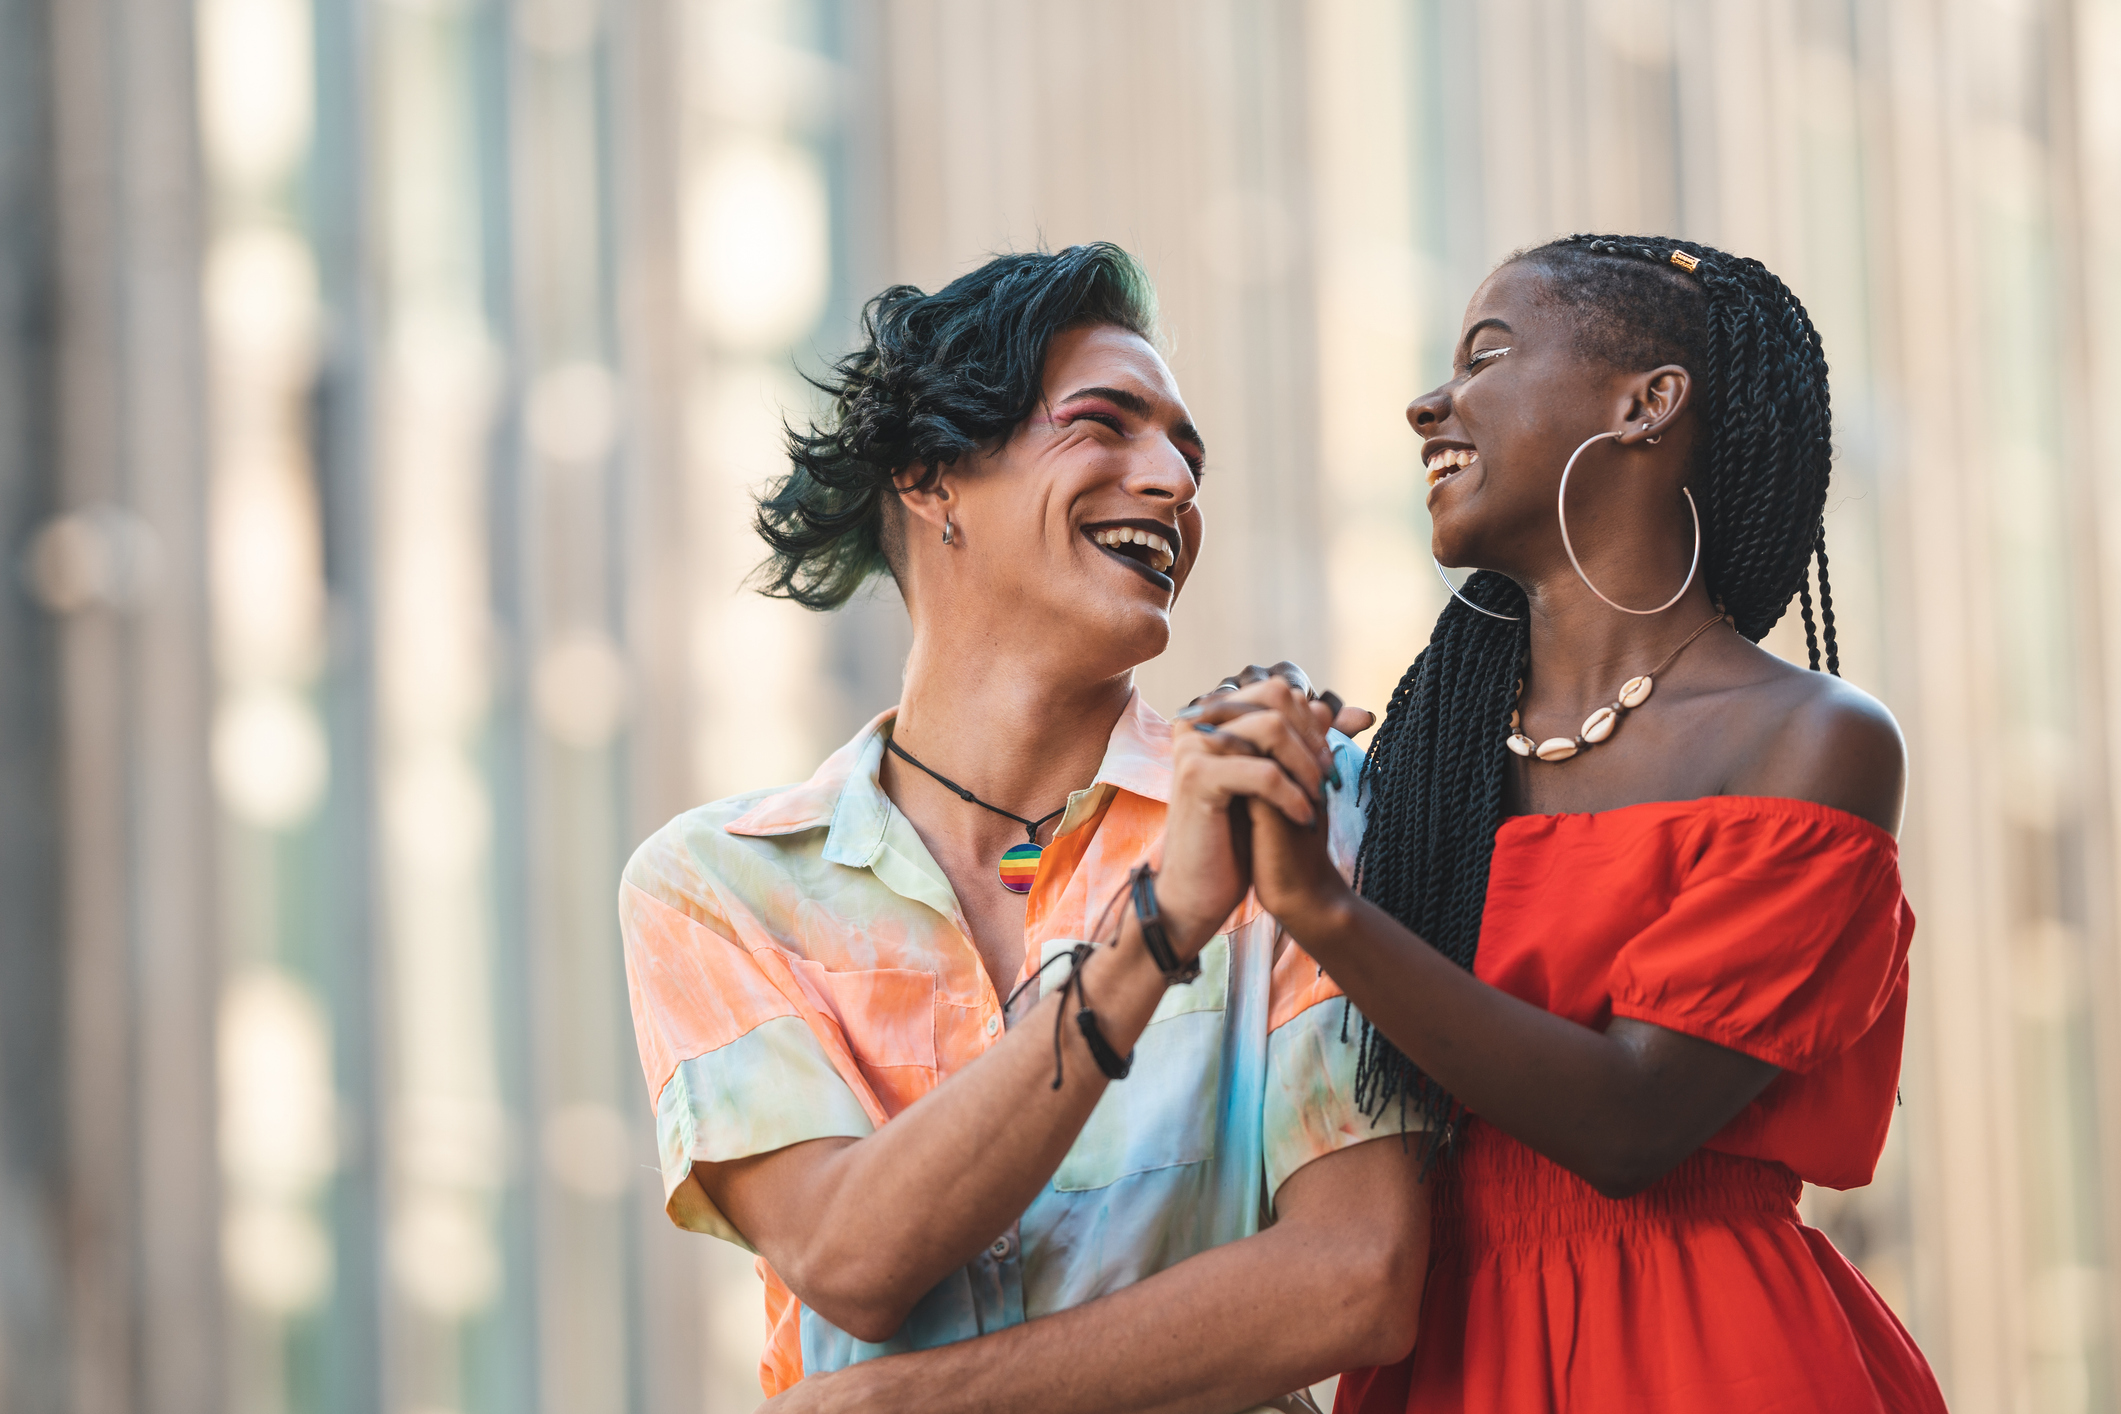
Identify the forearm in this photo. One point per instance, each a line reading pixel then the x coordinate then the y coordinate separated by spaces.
pixel 1617 1112
pixel 880 1221
pixel 1219 1332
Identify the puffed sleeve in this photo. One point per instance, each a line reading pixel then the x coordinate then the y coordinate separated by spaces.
pixel 737 1058
pixel 1787 939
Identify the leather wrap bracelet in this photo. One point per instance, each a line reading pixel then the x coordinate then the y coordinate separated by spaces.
pixel 1154 936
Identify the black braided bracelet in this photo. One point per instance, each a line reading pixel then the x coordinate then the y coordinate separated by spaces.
pixel 1111 1062
pixel 1154 937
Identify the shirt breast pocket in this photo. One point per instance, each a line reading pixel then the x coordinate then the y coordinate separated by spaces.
pixel 1163 1114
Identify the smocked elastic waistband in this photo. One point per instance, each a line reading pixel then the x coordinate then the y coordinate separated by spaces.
pixel 1498 1193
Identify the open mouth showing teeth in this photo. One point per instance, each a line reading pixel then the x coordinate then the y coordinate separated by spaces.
pixel 1449 463
pixel 1152 550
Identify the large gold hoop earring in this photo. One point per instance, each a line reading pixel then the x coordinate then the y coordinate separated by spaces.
pixel 1561 513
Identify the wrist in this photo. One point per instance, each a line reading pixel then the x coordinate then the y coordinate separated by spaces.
pixel 1129 967
pixel 1319 919
pixel 1120 986
pixel 1188 923
pixel 1125 986
pixel 864 1386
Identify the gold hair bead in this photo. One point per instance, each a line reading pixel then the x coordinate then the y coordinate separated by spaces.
pixel 1684 261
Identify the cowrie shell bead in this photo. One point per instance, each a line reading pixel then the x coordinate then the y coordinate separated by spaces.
pixel 1636 691
pixel 1556 748
pixel 1521 744
pixel 1599 725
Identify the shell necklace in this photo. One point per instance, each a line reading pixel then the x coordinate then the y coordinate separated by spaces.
pixel 1600 724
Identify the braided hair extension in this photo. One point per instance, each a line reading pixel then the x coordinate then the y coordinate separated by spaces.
pixel 1434 777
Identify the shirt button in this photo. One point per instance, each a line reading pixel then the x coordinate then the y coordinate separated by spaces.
pixel 994 1024
pixel 1003 1249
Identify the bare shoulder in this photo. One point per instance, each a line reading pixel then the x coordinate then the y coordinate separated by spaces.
pixel 1828 741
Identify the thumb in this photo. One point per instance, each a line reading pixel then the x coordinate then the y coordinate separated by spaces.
pixel 1353 720
pixel 1342 718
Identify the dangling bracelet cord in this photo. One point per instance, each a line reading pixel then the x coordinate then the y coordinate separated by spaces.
pixel 1114 1065
pixel 1142 885
pixel 1111 1062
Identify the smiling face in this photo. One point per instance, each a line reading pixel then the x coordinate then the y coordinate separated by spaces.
pixel 1524 396
pixel 1081 527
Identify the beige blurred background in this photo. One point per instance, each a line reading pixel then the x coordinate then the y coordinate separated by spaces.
pixel 381 385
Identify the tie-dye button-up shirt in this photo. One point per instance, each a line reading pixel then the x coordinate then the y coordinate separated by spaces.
pixel 800 968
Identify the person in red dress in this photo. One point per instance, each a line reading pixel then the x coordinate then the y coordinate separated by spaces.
pixel 1627 923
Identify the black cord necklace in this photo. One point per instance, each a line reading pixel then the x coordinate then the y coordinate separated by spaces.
pixel 1020 861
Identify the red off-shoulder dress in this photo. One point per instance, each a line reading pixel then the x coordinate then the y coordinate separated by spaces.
pixel 1776 928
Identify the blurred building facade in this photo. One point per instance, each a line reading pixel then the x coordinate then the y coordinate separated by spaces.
pixel 381 384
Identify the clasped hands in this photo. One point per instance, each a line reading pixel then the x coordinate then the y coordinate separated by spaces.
pixel 1250 763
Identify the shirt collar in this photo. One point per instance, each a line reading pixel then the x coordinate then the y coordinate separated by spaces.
pixel 845 792
pixel 1138 754
pixel 1137 759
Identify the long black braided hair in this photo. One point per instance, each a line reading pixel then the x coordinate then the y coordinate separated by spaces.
pixel 1434 777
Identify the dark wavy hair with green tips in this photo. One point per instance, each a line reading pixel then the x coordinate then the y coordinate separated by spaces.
pixel 937 377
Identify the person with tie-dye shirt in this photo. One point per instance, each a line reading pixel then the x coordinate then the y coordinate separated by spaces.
pixel 953 1206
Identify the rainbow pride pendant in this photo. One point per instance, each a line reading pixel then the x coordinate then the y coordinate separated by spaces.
pixel 1019 867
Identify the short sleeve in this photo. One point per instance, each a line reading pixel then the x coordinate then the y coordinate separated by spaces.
pixel 1311 1035
pixel 1786 939
pixel 737 1061
pixel 1313 1038
pixel 1310 1107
